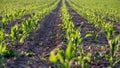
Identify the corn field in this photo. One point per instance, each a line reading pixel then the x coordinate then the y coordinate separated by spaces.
pixel 59 34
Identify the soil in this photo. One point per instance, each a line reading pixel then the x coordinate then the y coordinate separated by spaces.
pixel 37 47
pixel 39 44
pixel 93 42
pixel 16 22
pixel 19 21
pixel 87 28
pixel 117 27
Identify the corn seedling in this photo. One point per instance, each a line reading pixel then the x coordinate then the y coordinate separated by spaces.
pixel 73 41
pixel 15 34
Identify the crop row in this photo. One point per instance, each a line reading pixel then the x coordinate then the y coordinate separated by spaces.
pixel 74 52
pixel 20 32
pixel 72 39
pixel 102 10
pixel 10 13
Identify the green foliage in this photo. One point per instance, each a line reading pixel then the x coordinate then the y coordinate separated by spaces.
pixel 3 23
pixel 12 10
pixel 14 34
pixel 98 13
pixel 3 49
pixel 20 32
pixel 1 36
pixel 73 40
pixel 102 18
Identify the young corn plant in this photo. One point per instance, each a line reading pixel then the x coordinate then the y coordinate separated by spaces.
pixel 113 43
pixel 15 34
pixel 73 52
pixel 29 26
pixel 3 48
pixel 3 23
pixel 23 35
pixel 100 18
pixel 4 52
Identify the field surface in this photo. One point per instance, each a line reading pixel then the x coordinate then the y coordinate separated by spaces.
pixel 59 34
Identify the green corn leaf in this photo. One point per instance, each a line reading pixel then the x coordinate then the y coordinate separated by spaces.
pixel 88 35
pixel 69 50
pixel 53 57
pixel 114 44
pixel 88 57
pixel 1 35
pixel 4 20
pixel 111 59
pixel 59 56
pixel 22 39
pixel 3 49
pixel 113 48
pixel 14 33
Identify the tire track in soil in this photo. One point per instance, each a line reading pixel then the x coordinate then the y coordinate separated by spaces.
pixel 41 43
pixel 87 28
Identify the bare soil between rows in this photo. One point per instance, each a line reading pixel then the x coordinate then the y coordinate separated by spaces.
pixel 86 28
pixel 39 43
pixel 16 22
pixel 19 20
pixel 94 42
